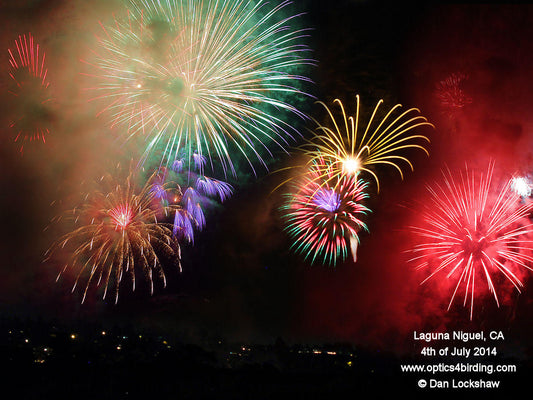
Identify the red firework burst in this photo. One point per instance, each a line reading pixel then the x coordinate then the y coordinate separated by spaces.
pixel 450 93
pixel 30 88
pixel 473 231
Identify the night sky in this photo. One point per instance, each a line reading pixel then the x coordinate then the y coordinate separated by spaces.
pixel 240 280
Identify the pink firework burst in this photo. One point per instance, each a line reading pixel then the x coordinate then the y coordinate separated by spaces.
pixel 474 231
pixel 323 215
pixel 30 88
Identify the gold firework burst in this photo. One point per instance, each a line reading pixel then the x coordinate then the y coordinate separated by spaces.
pixel 350 150
pixel 119 230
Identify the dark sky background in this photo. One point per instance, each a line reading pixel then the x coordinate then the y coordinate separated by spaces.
pixel 239 279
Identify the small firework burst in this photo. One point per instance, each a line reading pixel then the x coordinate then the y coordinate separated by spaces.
pixel 474 231
pixel 30 90
pixel 323 219
pixel 450 93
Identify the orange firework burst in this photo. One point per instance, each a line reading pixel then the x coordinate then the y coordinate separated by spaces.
pixel 120 230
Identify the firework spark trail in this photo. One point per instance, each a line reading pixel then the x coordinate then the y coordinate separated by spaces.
pixel 473 231
pixel 30 87
pixel 323 220
pixel 119 230
pixel 209 76
pixel 348 151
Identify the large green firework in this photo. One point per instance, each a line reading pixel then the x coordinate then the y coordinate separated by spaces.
pixel 211 77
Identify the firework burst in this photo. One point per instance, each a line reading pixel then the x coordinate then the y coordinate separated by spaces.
pixel 474 231
pixel 323 220
pixel 213 77
pixel 30 88
pixel 348 150
pixel 199 191
pixel 120 230
pixel 450 94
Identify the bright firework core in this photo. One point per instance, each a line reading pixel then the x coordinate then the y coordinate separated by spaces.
pixel 121 216
pixel 351 165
